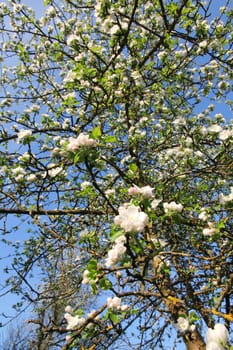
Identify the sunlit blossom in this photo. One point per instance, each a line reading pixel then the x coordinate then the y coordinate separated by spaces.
pixel 23 134
pixel 116 252
pixel 81 141
pixel 217 337
pixel 115 303
pixel 131 218
pixel 73 321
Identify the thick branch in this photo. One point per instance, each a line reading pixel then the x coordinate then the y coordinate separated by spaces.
pixel 192 339
pixel 33 212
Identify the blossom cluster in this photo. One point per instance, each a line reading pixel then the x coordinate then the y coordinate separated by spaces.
pixel 81 141
pixel 77 321
pixel 18 173
pixel 172 206
pixel 115 304
pixel 73 321
pixel 217 337
pixel 23 134
pixel 145 191
pixel 86 278
pixel 116 252
pixel 210 230
pixel 224 199
pixel 131 218
pixel 203 215
pixel 183 325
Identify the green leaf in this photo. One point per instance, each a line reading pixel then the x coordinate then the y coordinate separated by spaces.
pixel 92 265
pixel 110 139
pixel 193 317
pixel 76 158
pixel 96 132
pixel 133 167
pixel 113 317
pixel 115 233
pixel 105 283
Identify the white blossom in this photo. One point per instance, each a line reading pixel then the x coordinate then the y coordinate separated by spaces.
pixel 31 177
pixel 209 231
pixel 84 185
pixel 109 192
pixel 131 219
pixel 73 321
pixel 69 95
pixel 215 128
pixel 81 141
pixel 24 157
pixel 115 303
pixel 172 206
pixel 155 203
pixel 182 324
pixel 225 134
pixel 203 44
pixel 145 191
pixel 213 346
pixel 203 215
pixel 22 134
pixel 85 279
pixel 55 171
pixel 224 199
pixel 116 252
pixel 71 38
pixel 68 309
pixel 18 171
pixel 217 337
pixel 70 77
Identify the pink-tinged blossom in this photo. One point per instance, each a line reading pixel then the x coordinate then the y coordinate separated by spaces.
pixel 131 219
pixel 217 337
pixel 81 141
pixel 145 191
pixel 172 206
pixel 133 190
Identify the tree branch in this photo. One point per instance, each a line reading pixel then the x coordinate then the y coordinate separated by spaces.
pixel 33 212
